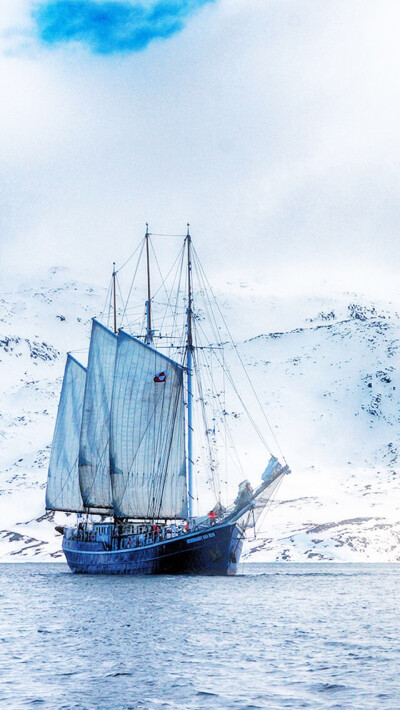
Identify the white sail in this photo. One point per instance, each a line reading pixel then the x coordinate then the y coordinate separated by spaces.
pixel 94 452
pixel 63 492
pixel 147 442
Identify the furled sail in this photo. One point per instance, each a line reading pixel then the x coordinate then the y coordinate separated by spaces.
pixel 94 451
pixel 147 441
pixel 63 492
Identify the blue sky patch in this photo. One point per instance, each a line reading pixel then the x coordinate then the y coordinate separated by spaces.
pixel 112 26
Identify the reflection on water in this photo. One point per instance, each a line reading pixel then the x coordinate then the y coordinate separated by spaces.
pixel 276 636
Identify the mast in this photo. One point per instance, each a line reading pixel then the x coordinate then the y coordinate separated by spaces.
pixel 149 332
pixel 114 274
pixel 189 351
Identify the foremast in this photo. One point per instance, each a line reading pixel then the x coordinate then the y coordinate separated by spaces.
pixel 114 283
pixel 149 332
pixel 189 362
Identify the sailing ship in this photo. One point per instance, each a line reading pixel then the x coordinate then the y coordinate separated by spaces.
pixel 122 458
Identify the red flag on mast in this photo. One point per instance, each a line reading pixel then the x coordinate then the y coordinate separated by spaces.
pixel 161 377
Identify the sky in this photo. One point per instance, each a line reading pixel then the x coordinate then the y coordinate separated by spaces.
pixel 272 126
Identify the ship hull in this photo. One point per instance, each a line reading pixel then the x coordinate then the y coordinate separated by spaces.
pixel 214 551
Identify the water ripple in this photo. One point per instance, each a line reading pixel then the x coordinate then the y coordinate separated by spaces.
pixel 277 637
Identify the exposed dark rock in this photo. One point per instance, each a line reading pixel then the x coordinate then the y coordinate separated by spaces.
pixel 328 526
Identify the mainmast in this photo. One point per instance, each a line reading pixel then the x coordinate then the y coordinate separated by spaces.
pixel 114 275
pixel 189 351
pixel 149 333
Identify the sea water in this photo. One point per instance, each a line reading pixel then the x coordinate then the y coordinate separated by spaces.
pixel 276 636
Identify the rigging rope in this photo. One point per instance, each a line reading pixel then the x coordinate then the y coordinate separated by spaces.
pixel 141 244
pixel 134 276
pixel 206 282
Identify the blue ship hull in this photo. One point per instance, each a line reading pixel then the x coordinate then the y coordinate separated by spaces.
pixel 211 551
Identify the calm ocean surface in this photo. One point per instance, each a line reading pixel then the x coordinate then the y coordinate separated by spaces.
pixel 277 636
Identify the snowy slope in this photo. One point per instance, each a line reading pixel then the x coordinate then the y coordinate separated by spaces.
pixel 38 324
pixel 333 387
pixel 325 371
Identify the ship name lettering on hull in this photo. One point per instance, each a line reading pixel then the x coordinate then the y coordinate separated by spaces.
pixel 200 537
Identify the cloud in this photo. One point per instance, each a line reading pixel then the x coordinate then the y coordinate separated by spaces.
pixel 271 128
pixel 112 26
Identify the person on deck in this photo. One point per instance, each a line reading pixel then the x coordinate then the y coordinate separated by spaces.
pixel 156 532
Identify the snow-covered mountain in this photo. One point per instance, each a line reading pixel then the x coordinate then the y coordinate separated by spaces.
pixel 325 370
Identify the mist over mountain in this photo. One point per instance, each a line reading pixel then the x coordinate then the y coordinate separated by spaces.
pixel 324 370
